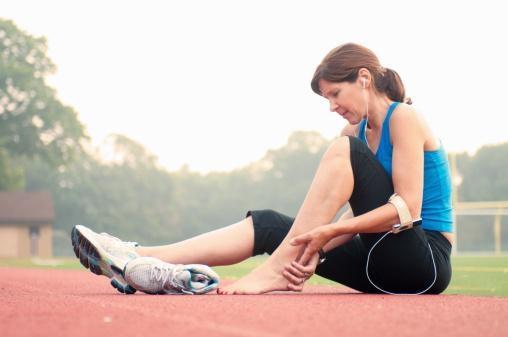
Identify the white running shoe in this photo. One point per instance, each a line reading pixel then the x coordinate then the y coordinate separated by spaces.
pixel 104 254
pixel 154 276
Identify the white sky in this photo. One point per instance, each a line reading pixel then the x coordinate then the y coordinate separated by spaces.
pixel 214 84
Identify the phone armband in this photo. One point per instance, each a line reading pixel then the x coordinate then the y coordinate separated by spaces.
pixel 406 221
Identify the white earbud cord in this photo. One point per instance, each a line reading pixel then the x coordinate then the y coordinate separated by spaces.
pixel 366 115
pixel 388 292
pixel 370 251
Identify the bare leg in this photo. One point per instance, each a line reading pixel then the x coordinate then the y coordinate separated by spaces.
pixel 330 190
pixel 224 246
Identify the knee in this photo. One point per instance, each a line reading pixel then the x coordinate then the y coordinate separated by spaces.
pixel 339 148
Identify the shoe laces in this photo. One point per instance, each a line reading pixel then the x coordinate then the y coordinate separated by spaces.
pixel 166 274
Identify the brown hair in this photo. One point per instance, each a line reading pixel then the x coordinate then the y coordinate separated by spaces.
pixel 343 63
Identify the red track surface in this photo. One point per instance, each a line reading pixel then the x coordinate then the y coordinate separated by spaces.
pixel 57 303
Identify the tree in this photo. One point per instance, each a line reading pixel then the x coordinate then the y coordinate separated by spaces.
pixel 33 122
pixel 130 197
pixel 122 150
pixel 484 175
pixel 11 176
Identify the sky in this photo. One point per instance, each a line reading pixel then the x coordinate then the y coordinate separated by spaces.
pixel 215 84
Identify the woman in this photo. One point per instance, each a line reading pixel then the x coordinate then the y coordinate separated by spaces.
pixel 386 148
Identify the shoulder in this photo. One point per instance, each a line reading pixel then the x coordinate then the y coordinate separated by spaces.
pixel 350 130
pixel 409 123
pixel 404 112
pixel 406 119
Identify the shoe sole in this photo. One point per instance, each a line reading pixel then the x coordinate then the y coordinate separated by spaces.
pixel 97 261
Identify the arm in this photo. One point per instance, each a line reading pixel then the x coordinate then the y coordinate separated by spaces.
pixel 407 175
pixel 341 239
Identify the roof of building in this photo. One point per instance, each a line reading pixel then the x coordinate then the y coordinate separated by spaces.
pixel 26 207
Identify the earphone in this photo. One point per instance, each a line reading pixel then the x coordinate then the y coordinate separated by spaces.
pixel 364 84
pixel 364 81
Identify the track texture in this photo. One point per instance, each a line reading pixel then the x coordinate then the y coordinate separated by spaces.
pixel 58 303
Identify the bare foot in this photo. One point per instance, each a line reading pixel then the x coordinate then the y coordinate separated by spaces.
pixel 265 278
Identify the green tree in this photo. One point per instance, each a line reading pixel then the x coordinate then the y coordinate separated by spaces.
pixel 130 197
pixel 33 122
pixel 484 174
pixel 278 181
pixel 11 176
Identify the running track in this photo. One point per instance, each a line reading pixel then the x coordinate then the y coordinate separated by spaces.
pixel 58 303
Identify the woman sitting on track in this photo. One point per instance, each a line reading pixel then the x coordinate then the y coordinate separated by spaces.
pixel 395 237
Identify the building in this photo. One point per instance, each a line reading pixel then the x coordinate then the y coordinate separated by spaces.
pixel 26 224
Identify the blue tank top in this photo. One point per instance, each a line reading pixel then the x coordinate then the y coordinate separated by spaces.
pixel 437 201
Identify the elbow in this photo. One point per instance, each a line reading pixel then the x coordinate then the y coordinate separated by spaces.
pixel 415 211
pixel 413 206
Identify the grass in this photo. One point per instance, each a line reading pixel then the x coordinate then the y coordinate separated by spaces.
pixel 479 275
pixel 472 275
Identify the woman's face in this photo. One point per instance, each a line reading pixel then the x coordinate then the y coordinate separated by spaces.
pixel 346 99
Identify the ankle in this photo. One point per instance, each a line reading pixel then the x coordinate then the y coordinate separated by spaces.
pixel 286 252
pixel 143 251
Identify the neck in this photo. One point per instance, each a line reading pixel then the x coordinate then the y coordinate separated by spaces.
pixel 377 111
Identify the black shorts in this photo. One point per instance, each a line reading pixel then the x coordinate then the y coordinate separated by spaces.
pixel 407 262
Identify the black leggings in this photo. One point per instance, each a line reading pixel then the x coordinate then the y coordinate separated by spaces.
pixel 399 263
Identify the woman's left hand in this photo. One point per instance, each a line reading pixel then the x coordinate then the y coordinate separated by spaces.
pixel 297 274
pixel 313 241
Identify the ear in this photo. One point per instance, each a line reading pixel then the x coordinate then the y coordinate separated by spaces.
pixel 364 78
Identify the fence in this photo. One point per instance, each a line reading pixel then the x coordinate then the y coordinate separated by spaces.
pixel 479 227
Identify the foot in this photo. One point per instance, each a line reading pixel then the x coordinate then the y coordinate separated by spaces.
pixel 104 255
pixel 154 276
pixel 265 278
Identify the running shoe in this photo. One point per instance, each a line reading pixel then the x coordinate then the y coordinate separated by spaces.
pixel 104 254
pixel 154 276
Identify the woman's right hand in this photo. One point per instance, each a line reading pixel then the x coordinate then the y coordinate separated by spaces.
pixel 297 274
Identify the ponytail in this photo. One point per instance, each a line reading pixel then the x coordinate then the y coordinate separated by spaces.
pixel 390 83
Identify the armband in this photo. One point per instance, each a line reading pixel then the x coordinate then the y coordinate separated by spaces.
pixel 406 221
